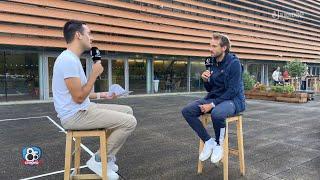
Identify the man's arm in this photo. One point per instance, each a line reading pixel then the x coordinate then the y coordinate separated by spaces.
pixel 207 86
pixel 80 93
pixel 205 76
pixel 233 84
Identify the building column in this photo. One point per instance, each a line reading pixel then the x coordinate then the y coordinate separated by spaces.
pixel 126 74
pixel 262 74
pixel 189 75
pixel 109 72
pixel 267 75
pixel 245 66
pixel 43 76
pixel 149 75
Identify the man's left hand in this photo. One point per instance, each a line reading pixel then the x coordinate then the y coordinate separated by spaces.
pixel 105 95
pixel 206 107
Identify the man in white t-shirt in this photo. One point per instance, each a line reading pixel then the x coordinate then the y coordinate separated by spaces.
pixel 276 76
pixel 72 90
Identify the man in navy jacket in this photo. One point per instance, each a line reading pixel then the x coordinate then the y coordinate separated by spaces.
pixel 225 97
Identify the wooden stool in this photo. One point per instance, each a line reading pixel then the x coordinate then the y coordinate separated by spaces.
pixel 205 119
pixel 77 135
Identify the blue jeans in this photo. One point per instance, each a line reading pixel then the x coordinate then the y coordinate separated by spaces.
pixel 219 115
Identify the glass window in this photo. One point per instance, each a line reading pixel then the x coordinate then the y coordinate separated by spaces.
pixel 255 71
pixel 137 75
pixel 172 75
pixel 196 83
pixel 2 77
pixel 101 84
pixel 118 72
pixel 20 76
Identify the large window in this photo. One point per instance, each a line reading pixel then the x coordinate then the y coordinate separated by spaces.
pixel 118 72
pixel 196 83
pixel 172 75
pixel 19 76
pixel 137 76
pixel 101 84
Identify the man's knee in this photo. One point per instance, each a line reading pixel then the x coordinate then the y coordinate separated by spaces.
pixel 185 111
pixel 132 122
pixel 218 114
pixel 129 110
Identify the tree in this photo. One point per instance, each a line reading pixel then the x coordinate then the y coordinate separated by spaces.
pixel 296 68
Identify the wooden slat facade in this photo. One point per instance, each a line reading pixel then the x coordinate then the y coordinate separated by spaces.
pixel 171 27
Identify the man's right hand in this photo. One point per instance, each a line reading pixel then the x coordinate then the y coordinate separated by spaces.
pixel 206 75
pixel 97 69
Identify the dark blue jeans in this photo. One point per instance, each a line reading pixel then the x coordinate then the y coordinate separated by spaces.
pixel 219 115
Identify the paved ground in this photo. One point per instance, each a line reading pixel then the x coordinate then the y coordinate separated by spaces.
pixel 282 141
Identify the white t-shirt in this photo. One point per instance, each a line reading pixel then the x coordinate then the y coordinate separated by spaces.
pixel 67 65
pixel 275 75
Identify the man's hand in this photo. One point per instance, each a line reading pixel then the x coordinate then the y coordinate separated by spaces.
pixel 206 107
pixel 97 69
pixel 105 95
pixel 206 75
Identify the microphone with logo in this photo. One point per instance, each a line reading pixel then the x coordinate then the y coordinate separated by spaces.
pixel 95 56
pixel 209 63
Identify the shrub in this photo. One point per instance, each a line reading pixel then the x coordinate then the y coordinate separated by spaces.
pixel 248 81
pixel 283 89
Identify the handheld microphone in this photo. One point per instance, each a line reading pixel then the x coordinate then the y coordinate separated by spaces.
pixel 95 55
pixel 209 63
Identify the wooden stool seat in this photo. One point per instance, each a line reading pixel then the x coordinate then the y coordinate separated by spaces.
pixel 77 135
pixel 205 119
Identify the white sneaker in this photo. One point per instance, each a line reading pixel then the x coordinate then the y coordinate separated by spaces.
pixel 112 164
pixel 207 149
pixel 96 167
pixel 217 154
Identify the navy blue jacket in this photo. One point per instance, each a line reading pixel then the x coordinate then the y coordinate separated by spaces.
pixel 226 82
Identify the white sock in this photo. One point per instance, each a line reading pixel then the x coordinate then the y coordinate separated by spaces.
pixel 222 134
pixel 210 141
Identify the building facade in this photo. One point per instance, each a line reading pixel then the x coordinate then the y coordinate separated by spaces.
pixel 146 40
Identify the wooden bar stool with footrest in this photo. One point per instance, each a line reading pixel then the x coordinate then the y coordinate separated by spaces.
pixel 77 135
pixel 205 119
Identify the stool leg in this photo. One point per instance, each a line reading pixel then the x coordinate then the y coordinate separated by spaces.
pixel 68 156
pixel 204 122
pixel 77 149
pixel 240 146
pixel 226 155
pixel 200 165
pixel 103 153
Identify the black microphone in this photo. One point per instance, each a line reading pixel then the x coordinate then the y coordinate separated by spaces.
pixel 209 63
pixel 95 55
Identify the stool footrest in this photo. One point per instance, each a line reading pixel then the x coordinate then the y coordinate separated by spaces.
pixel 234 152
pixel 85 176
pixel 87 133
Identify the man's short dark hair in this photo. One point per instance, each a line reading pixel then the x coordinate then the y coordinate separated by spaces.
pixel 70 29
pixel 224 40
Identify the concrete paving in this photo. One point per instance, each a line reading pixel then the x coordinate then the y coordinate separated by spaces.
pixel 282 141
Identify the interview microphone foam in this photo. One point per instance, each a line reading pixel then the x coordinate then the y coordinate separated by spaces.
pixel 95 55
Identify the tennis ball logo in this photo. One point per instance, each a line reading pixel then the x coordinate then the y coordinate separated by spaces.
pixel 31 155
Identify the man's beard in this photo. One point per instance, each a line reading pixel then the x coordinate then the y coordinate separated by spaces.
pixel 217 56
